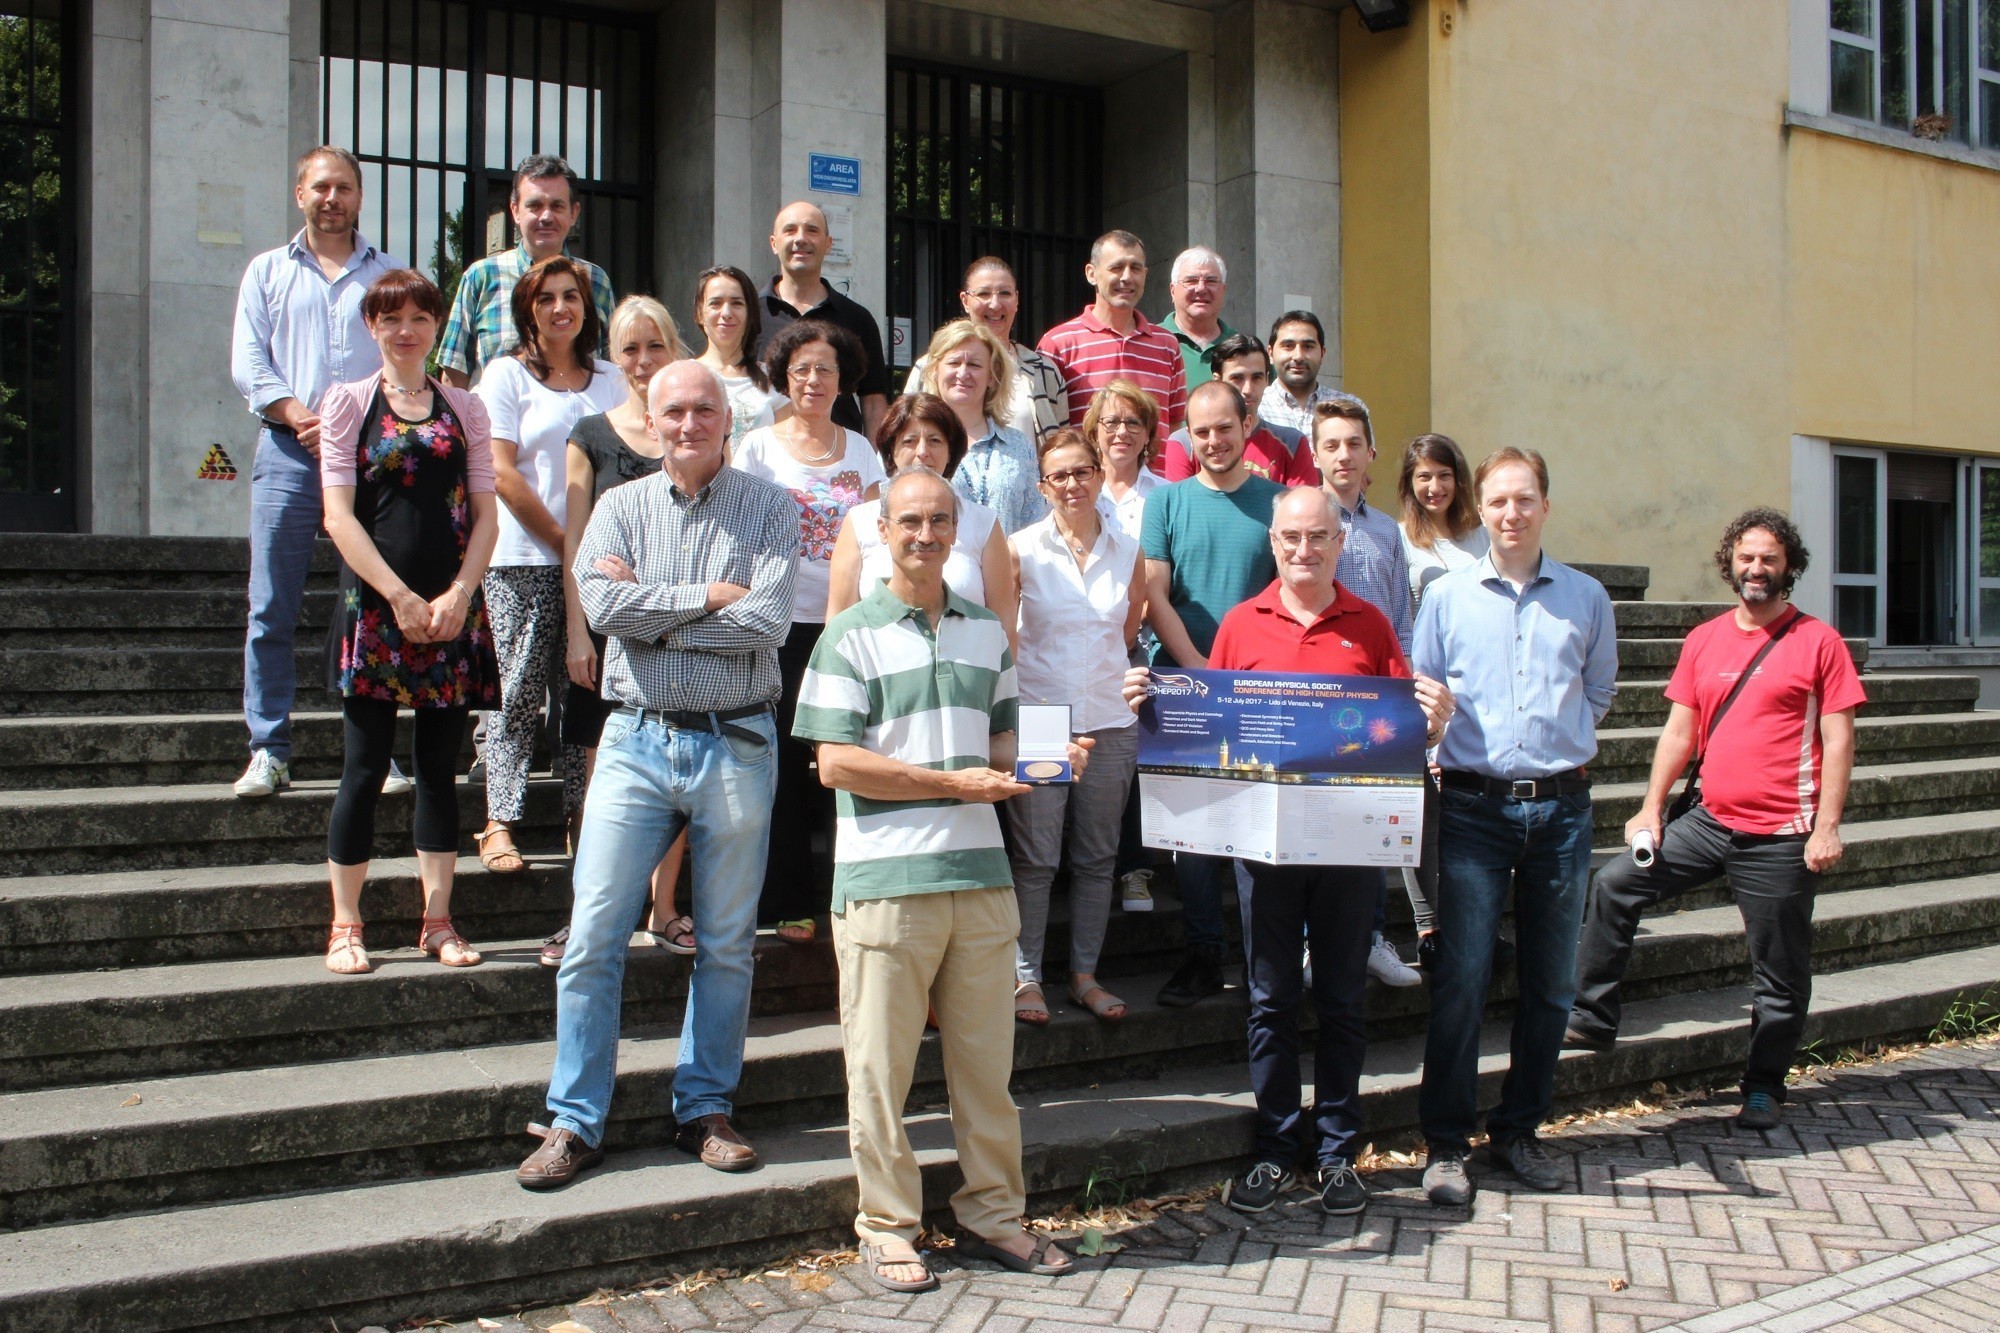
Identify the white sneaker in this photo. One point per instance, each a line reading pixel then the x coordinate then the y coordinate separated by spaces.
pixel 1135 891
pixel 266 776
pixel 1387 966
pixel 396 783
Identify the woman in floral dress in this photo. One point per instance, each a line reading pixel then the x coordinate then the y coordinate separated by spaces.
pixel 406 470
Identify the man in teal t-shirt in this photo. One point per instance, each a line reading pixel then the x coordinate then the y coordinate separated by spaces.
pixel 1208 539
pixel 1208 547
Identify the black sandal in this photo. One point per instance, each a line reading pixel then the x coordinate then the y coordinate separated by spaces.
pixel 1036 1261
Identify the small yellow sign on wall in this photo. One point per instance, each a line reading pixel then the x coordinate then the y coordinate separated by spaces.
pixel 216 465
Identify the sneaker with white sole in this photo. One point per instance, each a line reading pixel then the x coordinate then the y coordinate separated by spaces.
pixel 266 776
pixel 1135 891
pixel 397 782
pixel 1257 1190
pixel 1387 966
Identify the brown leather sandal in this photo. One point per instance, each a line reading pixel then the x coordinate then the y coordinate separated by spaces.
pixel 439 938
pixel 344 952
pixel 500 860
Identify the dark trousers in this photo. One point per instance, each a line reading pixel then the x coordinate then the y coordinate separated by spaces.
pixel 1774 891
pixel 1488 848
pixel 1200 881
pixel 798 881
pixel 368 727
pixel 1329 910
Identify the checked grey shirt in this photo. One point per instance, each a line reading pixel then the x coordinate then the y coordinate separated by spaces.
pixel 666 650
pixel 1374 567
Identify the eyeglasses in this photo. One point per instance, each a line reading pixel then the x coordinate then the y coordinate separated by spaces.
pixel 1318 539
pixel 1118 425
pixel 914 524
pixel 812 372
pixel 1070 474
pixel 1197 281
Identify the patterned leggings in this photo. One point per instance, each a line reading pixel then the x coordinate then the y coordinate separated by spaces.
pixel 525 606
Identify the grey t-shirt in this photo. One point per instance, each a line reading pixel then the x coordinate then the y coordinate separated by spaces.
pixel 611 460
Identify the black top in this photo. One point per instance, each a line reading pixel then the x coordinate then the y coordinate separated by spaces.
pixel 848 314
pixel 612 461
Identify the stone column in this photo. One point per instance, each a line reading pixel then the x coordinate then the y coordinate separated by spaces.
pixel 219 168
pixel 1277 153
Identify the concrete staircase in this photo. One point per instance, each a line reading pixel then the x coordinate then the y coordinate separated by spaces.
pixel 202 1128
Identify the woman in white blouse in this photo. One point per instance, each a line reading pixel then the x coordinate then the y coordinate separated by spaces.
pixel 921 430
pixel 535 397
pixel 829 470
pixel 1441 529
pixel 1082 594
pixel 1122 421
pixel 729 315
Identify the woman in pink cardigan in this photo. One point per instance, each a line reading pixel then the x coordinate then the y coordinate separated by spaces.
pixel 406 470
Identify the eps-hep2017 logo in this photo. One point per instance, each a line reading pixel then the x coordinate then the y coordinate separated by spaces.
pixel 1176 685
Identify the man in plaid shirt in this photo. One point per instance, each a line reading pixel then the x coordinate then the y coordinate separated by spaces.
pixel 545 210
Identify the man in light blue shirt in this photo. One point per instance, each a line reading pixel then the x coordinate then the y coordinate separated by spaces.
pixel 298 332
pixel 1528 648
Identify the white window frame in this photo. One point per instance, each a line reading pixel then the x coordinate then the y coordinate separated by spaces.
pixel 1872 44
pixel 1879 580
pixel 1977 632
pixel 1982 76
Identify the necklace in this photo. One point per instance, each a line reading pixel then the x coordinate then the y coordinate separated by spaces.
pixel 799 438
pixel 417 392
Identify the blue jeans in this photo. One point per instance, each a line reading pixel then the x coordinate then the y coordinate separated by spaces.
pixel 1326 910
pixel 1200 880
pixel 651 782
pixel 284 521
pixel 1486 846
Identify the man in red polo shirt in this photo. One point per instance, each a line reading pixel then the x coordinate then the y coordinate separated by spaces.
pixel 1306 622
pixel 1112 340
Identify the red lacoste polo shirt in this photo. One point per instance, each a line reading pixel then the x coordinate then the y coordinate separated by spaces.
pixel 1350 638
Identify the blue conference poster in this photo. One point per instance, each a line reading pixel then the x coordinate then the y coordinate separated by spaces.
pixel 1285 768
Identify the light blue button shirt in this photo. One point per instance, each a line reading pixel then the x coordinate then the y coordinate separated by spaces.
pixel 1534 671
pixel 999 471
pixel 299 334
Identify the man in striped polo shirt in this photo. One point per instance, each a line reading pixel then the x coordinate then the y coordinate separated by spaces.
pixel 910 697
pixel 1112 340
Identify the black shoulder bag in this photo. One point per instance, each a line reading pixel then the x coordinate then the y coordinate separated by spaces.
pixel 1691 792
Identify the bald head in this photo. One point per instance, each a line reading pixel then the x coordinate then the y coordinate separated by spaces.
pixel 1306 539
pixel 800 240
pixel 683 382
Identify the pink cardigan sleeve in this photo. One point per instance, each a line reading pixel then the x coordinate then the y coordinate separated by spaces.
pixel 341 413
pixel 478 440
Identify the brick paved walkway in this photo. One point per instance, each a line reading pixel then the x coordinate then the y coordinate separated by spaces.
pixel 1876 1207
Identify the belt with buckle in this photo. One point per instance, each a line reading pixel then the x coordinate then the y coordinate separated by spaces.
pixel 1522 789
pixel 715 723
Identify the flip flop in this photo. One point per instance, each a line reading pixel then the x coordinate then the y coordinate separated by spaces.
pixel 1036 1261
pixel 871 1255
pixel 802 931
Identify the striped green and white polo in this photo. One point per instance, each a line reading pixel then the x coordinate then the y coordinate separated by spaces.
pixel 883 680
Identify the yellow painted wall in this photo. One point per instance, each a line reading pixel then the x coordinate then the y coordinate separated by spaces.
pixel 1608 264
pixel 1895 296
pixel 1385 181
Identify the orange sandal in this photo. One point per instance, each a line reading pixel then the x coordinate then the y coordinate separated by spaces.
pixel 344 952
pixel 437 937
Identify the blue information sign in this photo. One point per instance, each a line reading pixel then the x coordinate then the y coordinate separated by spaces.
pixel 835 175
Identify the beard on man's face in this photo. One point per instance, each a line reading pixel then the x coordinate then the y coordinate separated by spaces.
pixel 1756 589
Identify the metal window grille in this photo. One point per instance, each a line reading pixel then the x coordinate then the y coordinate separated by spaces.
pixel 983 164
pixel 40 47
pixel 440 98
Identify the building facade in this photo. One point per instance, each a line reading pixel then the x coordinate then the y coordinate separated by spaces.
pixel 1703 255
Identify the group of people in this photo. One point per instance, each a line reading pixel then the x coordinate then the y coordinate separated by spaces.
pixel 747 593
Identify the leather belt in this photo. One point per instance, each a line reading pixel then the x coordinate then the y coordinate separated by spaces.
pixel 715 723
pixel 1525 789
pixel 278 427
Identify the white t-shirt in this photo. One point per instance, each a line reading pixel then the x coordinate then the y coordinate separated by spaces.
pixel 964 568
pixel 824 495
pixel 1445 555
pixel 1129 511
pixel 750 407
pixel 1072 623
pixel 539 419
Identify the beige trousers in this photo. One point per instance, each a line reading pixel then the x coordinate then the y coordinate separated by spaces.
pixel 954 951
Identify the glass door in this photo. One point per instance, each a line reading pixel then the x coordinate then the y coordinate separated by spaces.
pixel 1860 520
pixel 1983 484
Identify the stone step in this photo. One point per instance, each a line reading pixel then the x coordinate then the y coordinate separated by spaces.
pixel 138 918
pixel 1642 703
pixel 43 682
pixel 1654 658
pixel 89 1151
pixel 93 560
pixel 386 1251
pixel 1878 791
pixel 1625 583
pixel 1664 620
pixel 95 829
pixel 1625 754
pixel 140 617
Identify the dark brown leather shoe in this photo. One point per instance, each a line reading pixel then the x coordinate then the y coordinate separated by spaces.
pixel 713 1139
pixel 561 1158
